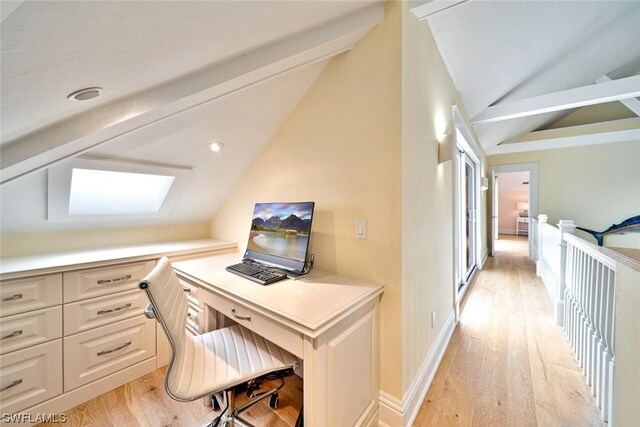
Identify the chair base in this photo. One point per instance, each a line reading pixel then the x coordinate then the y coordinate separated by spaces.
pixel 231 416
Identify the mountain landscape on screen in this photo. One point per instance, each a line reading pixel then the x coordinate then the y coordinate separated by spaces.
pixel 290 223
pixel 281 229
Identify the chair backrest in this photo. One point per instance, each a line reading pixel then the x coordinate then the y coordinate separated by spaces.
pixel 169 302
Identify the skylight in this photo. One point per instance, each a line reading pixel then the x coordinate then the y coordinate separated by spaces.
pixel 90 189
pixel 102 192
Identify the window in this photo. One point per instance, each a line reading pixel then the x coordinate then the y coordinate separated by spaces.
pixel 98 189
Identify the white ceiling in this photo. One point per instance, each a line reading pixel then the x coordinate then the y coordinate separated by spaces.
pixel 500 51
pixel 513 181
pixel 51 48
pixel 244 122
pixel 175 74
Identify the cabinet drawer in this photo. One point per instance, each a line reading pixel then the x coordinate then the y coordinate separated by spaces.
pixel 195 317
pixel 192 292
pixel 262 325
pixel 95 282
pixel 93 354
pixel 88 314
pixel 30 293
pixel 35 327
pixel 30 376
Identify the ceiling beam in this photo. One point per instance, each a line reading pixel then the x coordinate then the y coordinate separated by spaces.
pixel 422 9
pixel 83 132
pixel 625 130
pixel 614 90
pixel 632 104
pixel 7 7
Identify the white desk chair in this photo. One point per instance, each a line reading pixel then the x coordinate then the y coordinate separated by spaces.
pixel 213 362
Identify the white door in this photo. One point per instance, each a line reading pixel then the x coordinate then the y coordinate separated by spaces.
pixel 469 209
pixel 494 213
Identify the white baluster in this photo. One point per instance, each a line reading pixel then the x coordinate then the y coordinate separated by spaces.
pixel 542 219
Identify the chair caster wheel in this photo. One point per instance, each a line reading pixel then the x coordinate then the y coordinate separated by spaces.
pixel 274 399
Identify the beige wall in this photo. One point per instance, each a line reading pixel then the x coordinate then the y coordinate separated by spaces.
pixel 594 186
pixel 70 240
pixel 341 148
pixel 428 95
pixel 507 211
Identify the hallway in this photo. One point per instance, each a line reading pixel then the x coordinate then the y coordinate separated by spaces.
pixel 507 363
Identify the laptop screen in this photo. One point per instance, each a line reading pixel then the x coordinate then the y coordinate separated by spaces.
pixel 280 234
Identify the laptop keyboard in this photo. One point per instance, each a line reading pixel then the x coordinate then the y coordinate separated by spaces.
pixel 256 272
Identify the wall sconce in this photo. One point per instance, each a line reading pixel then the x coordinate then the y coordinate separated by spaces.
pixel 446 148
pixel 484 183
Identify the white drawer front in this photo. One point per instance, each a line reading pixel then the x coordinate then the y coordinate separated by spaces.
pixel 192 292
pixel 195 318
pixel 30 376
pixel 95 282
pixel 88 314
pixel 30 293
pixel 289 340
pixel 35 327
pixel 93 354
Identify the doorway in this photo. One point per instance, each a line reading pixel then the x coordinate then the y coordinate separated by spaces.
pixel 514 194
pixel 512 197
pixel 467 214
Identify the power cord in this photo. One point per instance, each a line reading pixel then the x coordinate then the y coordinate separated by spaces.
pixel 257 383
pixel 308 264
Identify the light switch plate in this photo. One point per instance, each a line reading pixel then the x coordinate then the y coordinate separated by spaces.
pixel 361 228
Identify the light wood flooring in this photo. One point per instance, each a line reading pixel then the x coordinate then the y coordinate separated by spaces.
pixel 144 403
pixel 508 364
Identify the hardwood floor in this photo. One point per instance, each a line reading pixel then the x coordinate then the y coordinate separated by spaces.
pixel 508 364
pixel 144 403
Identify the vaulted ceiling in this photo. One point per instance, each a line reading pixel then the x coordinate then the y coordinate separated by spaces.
pixel 523 67
pixel 175 76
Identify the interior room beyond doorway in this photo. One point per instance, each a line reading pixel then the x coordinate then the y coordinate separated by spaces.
pixel 513 207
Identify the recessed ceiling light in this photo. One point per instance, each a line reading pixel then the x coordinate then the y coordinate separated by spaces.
pixel 216 146
pixel 85 94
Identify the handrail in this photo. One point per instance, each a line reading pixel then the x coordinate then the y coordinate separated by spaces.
pixel 592 250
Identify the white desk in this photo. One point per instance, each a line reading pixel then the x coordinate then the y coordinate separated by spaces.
pixel 522 220
pixel 329 321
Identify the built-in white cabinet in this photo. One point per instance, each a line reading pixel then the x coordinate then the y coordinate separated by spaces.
pixel 30 376
pixel 99 352
pixel 70 333
pixel 94 282
pixel 34 327
pixel 93 317
pixel 30 293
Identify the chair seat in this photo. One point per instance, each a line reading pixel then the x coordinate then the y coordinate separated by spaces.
pixel 223 358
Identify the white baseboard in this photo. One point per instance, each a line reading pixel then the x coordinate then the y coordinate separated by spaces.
pixel 391 411
pixel 485 255
pixel 523 232
pixel 396 413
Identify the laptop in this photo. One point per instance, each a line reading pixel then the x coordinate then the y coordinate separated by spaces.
pixel 278 243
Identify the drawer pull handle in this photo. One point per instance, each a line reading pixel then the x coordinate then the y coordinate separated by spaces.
pixel 12 297
pixel 13 384
pixel 116 280
pixel 12 334
pixel 238 316
pixel 122 307
pixel 103 352
pixel 187 290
